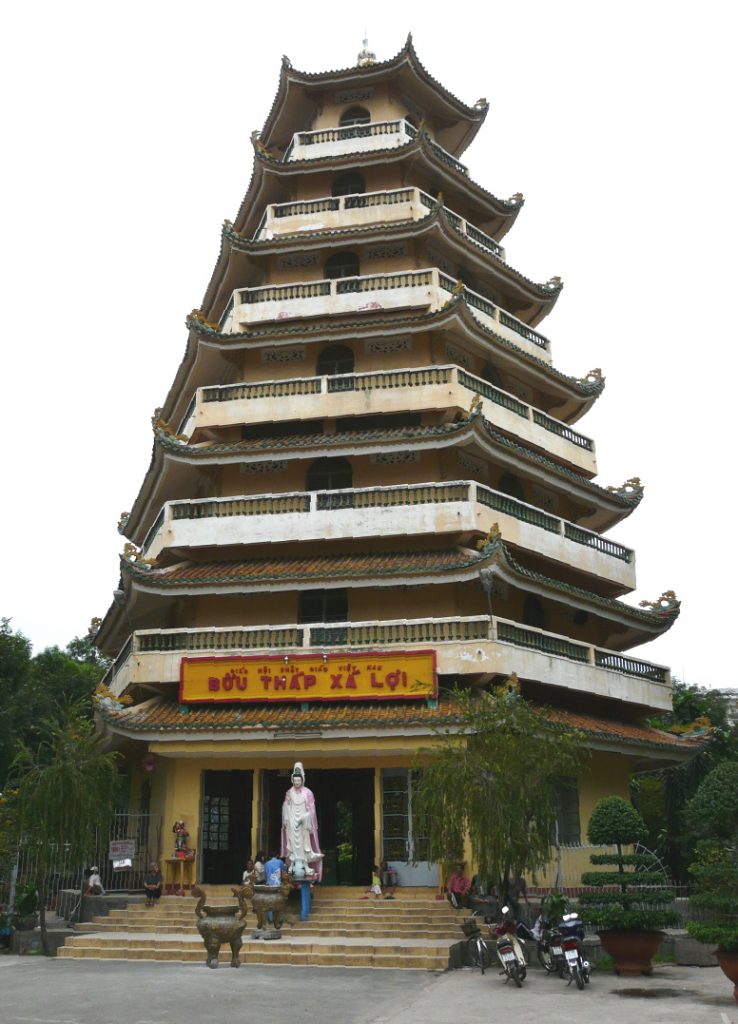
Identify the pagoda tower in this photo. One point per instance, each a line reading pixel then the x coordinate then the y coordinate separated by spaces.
pixel 368 484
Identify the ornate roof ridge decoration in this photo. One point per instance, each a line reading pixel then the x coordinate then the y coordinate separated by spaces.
pixel 164 714
pixel 161 427
pixel 439 216
pixel 585 387
pixel 133 556
pixel 631 489
pixel 376 69
pixel 497 555
pixel 667 605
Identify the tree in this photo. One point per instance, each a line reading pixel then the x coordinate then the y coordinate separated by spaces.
pixel 662 796
pixel 713 810
pixel 494 778
pixel 64 794
pixel 34 688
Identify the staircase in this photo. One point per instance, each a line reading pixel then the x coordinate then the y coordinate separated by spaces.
pixel 414 930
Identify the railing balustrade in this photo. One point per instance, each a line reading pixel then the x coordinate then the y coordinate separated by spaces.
pixel 366 131
pixel 303 502
pixel 382 380
pixel 394 631
pixel 367 200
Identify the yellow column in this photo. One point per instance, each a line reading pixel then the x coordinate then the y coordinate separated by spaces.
pixel 255 811
pixel 377 815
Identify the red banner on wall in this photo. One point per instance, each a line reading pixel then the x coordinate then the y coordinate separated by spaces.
pixel 396 675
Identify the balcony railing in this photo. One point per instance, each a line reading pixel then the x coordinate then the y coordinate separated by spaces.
pixel 442 631
pixel 311 502
pixel 522 422
pixel 383 207
pixel 428 287
pixel 360 138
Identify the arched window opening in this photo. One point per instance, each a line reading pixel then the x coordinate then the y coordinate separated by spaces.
pixel 329 475
pixel 342 264
pixel 510 484
pixel 323 606
pixel 334 360
pixel 533 613
pixel 354 115
pixel 349 184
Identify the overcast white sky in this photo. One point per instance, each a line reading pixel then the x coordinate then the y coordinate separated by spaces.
pixel 126 131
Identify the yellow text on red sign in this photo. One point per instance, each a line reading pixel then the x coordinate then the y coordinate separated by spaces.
pixel 304 677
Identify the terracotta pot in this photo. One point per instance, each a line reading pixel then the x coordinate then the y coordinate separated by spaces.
pixel 631 951
pixel 729 966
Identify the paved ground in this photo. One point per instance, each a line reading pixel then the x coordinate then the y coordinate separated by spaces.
pixel 34 990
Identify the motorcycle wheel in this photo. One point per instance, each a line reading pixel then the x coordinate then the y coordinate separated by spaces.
pixel 479 955
pixel 523 972
pixel 515 975
pixel 577 972
pixel 544 958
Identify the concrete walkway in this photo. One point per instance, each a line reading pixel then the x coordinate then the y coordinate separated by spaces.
pixel 35 990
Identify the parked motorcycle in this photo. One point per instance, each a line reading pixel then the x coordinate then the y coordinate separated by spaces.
pixel 571 933
pixel 511 949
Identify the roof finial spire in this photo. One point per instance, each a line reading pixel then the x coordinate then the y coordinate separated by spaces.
pixel 366 58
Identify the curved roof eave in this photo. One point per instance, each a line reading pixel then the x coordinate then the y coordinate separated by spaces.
pixel 437 220
pixel 586 389
pixel 619 502
pixel 290 79
pixel 389 570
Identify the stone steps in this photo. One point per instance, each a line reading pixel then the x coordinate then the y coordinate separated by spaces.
pixel 413 931
pixel 390 954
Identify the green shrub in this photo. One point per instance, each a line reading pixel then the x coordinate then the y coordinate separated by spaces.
pixel 633 897
pixel 714 906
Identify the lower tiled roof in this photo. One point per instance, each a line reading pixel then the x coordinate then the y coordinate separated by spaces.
pixel 164 715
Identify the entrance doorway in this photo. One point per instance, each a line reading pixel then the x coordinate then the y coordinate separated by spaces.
pixel 344 800
pixel 225 828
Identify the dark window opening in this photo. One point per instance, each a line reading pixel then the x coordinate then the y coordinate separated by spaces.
pixel 292 428
pixel 533 613
pixel 329 475
pixel 383 421
pixel 510 484
pixel 335 359
pixel 341 264
pixel 567 812
pixel 323 606
pixel 349 184
pixel 490 374
pixel 354 115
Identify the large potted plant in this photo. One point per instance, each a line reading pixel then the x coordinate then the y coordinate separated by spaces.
pixel 713 811
pixel 628 904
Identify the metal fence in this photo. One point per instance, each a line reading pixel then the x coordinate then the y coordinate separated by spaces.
pixel 68 873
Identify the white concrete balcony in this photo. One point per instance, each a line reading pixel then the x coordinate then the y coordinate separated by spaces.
pixel 340 212
pixel 476 646
pixel 453 508
pixel 360 138
pixel 428 289
pixel 416 389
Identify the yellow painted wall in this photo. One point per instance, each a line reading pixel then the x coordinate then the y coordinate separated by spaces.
pixel 176 781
